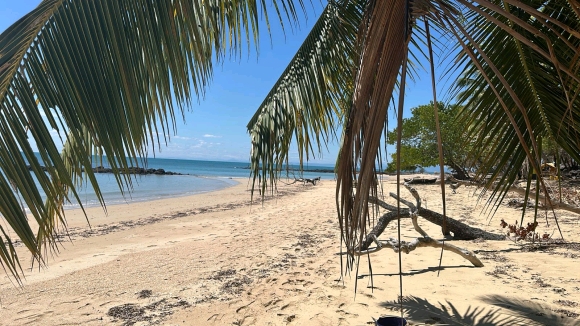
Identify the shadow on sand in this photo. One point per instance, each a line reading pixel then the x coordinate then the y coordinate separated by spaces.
pixel 502 311
pixel 418 271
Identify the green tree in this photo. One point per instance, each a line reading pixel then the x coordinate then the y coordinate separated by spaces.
pixel 419 140
pixel 104 74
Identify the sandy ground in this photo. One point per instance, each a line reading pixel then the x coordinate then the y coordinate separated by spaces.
pixel 214 259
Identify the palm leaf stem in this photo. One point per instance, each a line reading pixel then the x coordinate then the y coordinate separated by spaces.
pixel 444 229
pixel 528 79
pixel 399 142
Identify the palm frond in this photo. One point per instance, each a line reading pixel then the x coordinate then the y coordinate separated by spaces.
pixel 543 77
pixel 309 98
pixel 383 43
pixel 108 76
pixel 503 98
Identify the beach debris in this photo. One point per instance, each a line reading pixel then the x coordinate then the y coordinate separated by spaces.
pixel 127 311
pixel 223 274
pixel 519 203
pixel 143 294
pixel 566 303
pixel 232 282
pixel 306 181
pixel 454 187
pixel 420 180
pixel 524 233
pixel 459 230
pixel 567 313
pixel 153 313
pixel 236 285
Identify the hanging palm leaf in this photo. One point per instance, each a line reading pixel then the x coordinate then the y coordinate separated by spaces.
pixel 308 100
pixel 511 101
pixel 108 76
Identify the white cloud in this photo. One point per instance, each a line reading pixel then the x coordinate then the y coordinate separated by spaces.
pixel 211 136
pixel 200 143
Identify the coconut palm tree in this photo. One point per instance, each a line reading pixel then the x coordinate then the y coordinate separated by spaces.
pixel 103 73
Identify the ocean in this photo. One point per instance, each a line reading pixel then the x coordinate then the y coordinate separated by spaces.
pixel 199 177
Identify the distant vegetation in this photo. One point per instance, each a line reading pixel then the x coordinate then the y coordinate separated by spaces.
pixel 419 140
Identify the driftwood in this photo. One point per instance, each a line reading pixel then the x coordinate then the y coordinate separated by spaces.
pixel 460 230
pixel 305 181
pixel 554 203
pixel 407 247
pixel 419 180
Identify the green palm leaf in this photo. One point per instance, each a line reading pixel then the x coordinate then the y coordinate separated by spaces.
pixel 108 76
pixel 309 99
pixel 543 75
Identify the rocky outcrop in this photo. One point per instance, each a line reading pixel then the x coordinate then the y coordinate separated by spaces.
pixel 131 170
pixel 137 170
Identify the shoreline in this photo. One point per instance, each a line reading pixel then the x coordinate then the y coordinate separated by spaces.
pixel 130 213
pixel 123 200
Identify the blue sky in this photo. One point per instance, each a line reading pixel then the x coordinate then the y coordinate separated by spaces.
pixel 215 128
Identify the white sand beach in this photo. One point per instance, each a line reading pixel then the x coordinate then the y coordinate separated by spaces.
pixel 214 259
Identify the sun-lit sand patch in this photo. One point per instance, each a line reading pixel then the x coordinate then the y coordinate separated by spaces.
pixel 214 259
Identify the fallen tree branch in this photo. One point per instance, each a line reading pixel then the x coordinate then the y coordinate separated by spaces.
pixel 380 227
pixel 305 180
pixel 460 230
pixel 417 227
pixel 407 247
pixel 554 205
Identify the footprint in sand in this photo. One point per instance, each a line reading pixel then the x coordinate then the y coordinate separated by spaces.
pixel 272 302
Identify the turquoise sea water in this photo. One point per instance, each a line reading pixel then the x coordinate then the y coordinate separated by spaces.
pixel 201 176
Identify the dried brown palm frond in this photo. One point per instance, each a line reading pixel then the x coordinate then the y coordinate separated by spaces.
pixel 520 112
pixel 383 42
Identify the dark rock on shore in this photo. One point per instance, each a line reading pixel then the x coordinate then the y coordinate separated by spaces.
pixel 131 170
pixel 136 170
